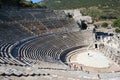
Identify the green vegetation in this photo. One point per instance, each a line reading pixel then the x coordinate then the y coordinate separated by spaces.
pixel 117 30
pixel 101 14
pixel 94 12
pixel 70 4
pixel 21 3
pixel 116 23
pixel 105 25
pixel 98 9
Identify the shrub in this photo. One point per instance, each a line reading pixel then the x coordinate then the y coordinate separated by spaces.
pixel 104 24
pixel 117 30
pixel 116 23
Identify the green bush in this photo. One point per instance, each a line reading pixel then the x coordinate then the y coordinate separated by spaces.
pixel 117 30
pixel 116 23
pixel 104 24
pixel 21 3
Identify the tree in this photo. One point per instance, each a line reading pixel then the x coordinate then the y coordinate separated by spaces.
pixel 0 3
pixel 117 30
pixel 116 23
pixel 21 3
pixel 9 2
pixel 104 24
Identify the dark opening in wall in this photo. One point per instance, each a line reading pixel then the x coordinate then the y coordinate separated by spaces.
pixel 69 15
pixel 83 25
pixel 96 46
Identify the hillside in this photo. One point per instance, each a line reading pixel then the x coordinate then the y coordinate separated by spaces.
pixel 98 9
pixel 70 4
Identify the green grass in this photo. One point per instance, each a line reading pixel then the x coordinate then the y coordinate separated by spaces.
pixel 103 8
pixel 71 4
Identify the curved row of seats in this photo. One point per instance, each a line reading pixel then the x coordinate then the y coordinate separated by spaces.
pixel 12 32
pixel 6 57
pixel 32 22
pixel 35 27
pixel 48 48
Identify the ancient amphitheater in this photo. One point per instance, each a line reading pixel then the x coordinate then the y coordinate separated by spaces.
pixel 42 44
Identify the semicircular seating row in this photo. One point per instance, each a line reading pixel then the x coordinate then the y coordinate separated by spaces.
pixel 5 55
pixel 49 48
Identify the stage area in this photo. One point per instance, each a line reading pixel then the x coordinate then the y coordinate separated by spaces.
pixel 92 60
